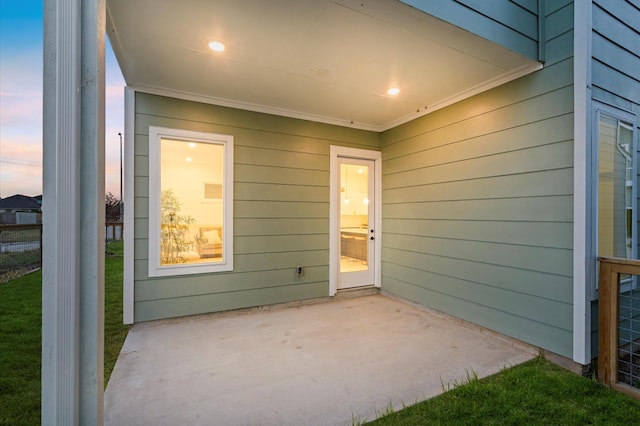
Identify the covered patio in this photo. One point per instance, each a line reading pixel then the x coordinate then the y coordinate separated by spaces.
pixel 334 362
pixel 335 73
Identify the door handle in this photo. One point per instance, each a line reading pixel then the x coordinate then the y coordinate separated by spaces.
pixel 372 238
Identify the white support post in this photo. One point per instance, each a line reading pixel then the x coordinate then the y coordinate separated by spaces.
pixel 582 221
pixel 129 214
pixel 73 207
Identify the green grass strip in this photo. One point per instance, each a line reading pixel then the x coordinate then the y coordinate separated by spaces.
pixel 534 393
pixel 114 331
pixel 20 350
pixel 21 340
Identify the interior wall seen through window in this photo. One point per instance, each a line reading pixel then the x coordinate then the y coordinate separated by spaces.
pixel 191 220
pixel 616 189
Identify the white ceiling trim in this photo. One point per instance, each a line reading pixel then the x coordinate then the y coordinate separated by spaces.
pixel 266 109
pixel 212 100
pixel 472 91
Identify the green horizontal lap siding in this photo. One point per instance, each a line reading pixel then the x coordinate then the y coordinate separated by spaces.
pixel 459 145
pixel 616 53
pixel 281 209
pixel 510 278
pixel 280 192
pixel 279 175
pixel 540 259
pixel 273 210
pixel 546 157
pixel 478 203
pixel 530 5
pixel 524 185
pixel 165 288
pixel 558 35
pixel 519 327
pixel 558 13
pixel 538 209
pixel 261 261
pixel 534 234
pixel 542 310
pixel 280 226
pixel 512 24
pixel 615 76
pixel 214 302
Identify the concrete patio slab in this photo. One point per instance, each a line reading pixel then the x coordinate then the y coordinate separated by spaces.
pixel 330 363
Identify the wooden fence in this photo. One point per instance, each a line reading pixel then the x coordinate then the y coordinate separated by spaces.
pixel 615 350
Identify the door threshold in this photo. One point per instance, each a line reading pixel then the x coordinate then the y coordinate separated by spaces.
pixel 367 290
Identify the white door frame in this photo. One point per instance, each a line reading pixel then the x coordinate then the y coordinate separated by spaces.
pixel 334 211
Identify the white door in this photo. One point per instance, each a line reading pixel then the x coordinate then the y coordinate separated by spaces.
pixel 354 204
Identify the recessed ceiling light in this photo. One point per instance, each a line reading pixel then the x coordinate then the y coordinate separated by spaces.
pixel 216 46
pixel 393 91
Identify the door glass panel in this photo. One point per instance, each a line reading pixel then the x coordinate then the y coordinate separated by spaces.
pixel 354 217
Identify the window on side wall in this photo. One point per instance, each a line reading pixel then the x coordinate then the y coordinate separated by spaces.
pixel 190 202
pixel 617 191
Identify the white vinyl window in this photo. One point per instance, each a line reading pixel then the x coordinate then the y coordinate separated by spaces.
pixel 190 233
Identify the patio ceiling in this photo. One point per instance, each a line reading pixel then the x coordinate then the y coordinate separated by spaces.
pixel 322 60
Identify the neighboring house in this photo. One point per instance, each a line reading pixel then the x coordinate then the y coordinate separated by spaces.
pixel 20 209
pixel 502 169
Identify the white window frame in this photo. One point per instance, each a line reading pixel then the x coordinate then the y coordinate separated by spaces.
pixel 156 134
pixel 628 120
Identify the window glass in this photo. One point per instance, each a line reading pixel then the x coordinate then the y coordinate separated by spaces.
pixel 615 189
pixel 190 179
pixel 191 229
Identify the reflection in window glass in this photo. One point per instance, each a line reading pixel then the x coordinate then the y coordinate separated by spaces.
pixel 615 189
pixel 191 224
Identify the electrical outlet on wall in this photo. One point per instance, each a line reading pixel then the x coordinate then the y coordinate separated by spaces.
pixel 299 271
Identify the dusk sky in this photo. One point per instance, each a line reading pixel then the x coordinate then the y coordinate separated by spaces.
pixel 21 102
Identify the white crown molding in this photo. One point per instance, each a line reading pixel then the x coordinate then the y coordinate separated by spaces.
pixel 268 109
pixel 247 106
pixel 467 93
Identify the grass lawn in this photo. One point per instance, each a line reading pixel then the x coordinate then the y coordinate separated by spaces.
pixel 114 331
pixel 20 340
pixel 535 393
pixel 20 345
